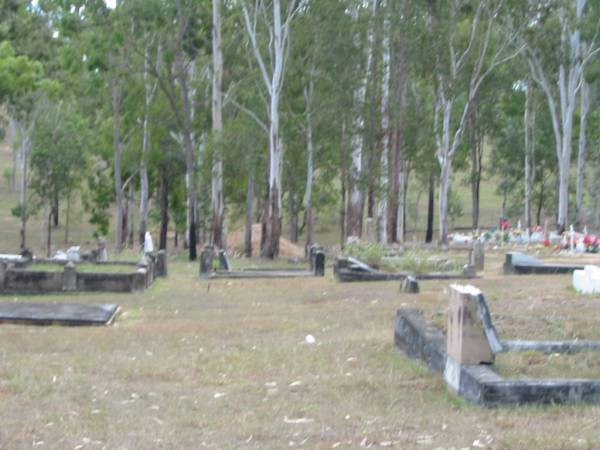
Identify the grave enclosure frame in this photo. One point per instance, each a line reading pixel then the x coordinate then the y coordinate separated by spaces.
pixel 476 380
pixel 316 260
pixel 21 276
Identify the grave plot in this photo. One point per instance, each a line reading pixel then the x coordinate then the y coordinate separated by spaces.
pixel 347 269
pixel 316 267
pixel 517 263
pixel 37 276
pixel 57 313
pixel 467 353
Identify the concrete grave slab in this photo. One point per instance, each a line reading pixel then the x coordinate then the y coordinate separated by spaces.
pixel 56 313
pixel 348 269
pixel 517 263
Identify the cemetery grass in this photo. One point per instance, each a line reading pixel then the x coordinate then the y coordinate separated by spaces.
pixel 192 363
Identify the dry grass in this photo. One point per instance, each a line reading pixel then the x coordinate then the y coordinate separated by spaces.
pixel 223 364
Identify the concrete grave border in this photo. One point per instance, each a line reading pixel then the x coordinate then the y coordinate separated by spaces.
pixel 58 313
pixel 316 268
pixel 349 269
pixel 14 278
pixel 479 383
pixel 518 263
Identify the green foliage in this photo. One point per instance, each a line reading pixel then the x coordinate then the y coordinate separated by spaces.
pixel 415 261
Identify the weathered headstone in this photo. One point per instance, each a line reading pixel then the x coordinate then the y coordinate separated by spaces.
pixel 206 257
pixel 410 285
pixel 69 277
pixel 102 253
pixel 467 341
pixel 161 263
pixel 143 267
pixel 477 255
pixel 223 261
pixel 319 264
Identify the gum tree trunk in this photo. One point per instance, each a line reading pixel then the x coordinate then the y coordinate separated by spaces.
pixel 116 93
pixel 529 120
pixel 382 209
pixel 307 201
pixel 355 200
pixel 217 126
pixel 249 214
pixel 584 111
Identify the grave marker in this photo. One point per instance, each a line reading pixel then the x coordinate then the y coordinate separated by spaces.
pixel 410 285
pixel 69 277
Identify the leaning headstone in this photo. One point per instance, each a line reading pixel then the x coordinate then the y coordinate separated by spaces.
pixel 319 264
pixel 223 261
pixel 467 340
pixel 206 257
pixel 69 277
pixel 410 285
pixel 161 263
pixel 477 255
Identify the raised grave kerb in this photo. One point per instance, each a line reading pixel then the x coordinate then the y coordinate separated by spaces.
pixel 316 267
pixel 517 263
pixel 478 382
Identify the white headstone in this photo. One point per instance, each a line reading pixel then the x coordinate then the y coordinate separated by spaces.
pixel 74 254
pixel 148 244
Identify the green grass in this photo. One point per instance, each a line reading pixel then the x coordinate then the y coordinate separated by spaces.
pixel 539 365
pixel 224 363
pixel 84 267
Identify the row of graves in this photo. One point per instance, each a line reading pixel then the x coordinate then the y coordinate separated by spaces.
pixel 464 354
pixel 71 272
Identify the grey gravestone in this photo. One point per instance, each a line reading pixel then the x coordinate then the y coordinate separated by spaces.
pixel 161 263
pixel 69 277
pixel 477 255
pixel 319 265
pixel 223 261
pixel 206 257
pixel 102 254
pixel 410 285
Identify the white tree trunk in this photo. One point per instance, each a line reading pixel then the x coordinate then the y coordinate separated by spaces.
pixel 401 213
pixel 149 91
pixel 308 95
pixel 584 111
pixel 217 126
pixel 569 80
pixel 382 210
pixel 278 53
pixel 355 200
pixel 118 149
pixel 25 150
pixel 529 125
